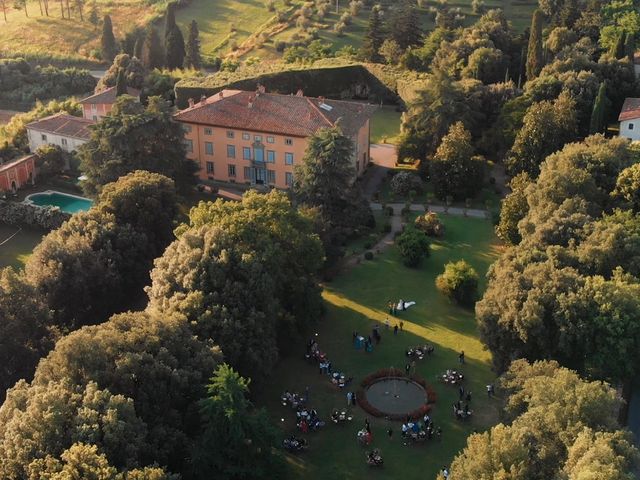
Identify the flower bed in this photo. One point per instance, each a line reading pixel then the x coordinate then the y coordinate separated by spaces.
pixel 387 373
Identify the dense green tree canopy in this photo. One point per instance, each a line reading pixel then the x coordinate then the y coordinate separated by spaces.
pixel 454 171
pixel 513 209
pixel 156 361
pixel 134 137
pixel 237 442
pixel 546 128
pixel 552 295
pixel 560 427
pixel 133 69
pixel 245 275
pixel 26 329
pixel 110 248
pixel 325 181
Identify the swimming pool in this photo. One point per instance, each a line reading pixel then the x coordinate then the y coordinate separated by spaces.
pixel 64 201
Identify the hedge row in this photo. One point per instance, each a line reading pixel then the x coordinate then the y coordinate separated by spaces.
pixel 48 218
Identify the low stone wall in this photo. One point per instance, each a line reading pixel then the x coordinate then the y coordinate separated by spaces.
pixel 47 218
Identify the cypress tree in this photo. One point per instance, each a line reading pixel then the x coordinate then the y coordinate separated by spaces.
pixel 630 46
pixel 138 48
pixel 404 25
pixel 108 41
pixel 174 48
pixel 192 49
pixel 617 49
pixel 152 54
pixel 169 20
pixel 93 15
pixel 375 36
pixel 598 114
pixel 534 50
pixel 173 41
pixel 121 83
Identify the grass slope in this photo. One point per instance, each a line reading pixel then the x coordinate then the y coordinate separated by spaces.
pixel 55 37
pixel 356 301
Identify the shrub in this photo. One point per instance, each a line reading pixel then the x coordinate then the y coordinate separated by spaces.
pixel 459 282
pixel 368 255
pixel 280 46
pixel 271 5
pixel 404 182
pixel 430 224
pixel 339 28
pixel 368 245
pixel 413 245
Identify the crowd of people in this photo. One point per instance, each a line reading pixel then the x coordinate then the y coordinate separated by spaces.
pixel 412 431
pixel 420 430
pixel 419 352
pixel 452 377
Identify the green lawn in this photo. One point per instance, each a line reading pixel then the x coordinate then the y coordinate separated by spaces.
pixel 216 19
pixel 356 301
pixel 14 253
pixel 385 125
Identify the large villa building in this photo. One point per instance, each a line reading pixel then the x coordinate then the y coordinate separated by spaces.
pixel 257 138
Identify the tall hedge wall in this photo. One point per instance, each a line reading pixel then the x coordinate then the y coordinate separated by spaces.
pixel 329 78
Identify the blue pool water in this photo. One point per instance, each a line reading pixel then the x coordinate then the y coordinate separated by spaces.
pixel 66 203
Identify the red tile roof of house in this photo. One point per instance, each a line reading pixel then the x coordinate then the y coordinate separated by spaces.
pixel 108 96
pixel 64 125
pixel 6 166
pixel 630 109
pixel 297 116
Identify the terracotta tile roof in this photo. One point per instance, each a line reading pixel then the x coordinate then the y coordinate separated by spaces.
pixel 65 125
pixel 108 96
pixel 297 116
pixel 6 166
pixel 630 109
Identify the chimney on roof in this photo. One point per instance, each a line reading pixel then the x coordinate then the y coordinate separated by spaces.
pixel 221 94
pixel 191 102
pixel 262 88
pixel 300 93
pixel 320 100
pixel 203 99
pixel 250 102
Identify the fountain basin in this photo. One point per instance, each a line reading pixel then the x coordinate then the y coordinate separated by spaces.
pixel 396 395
